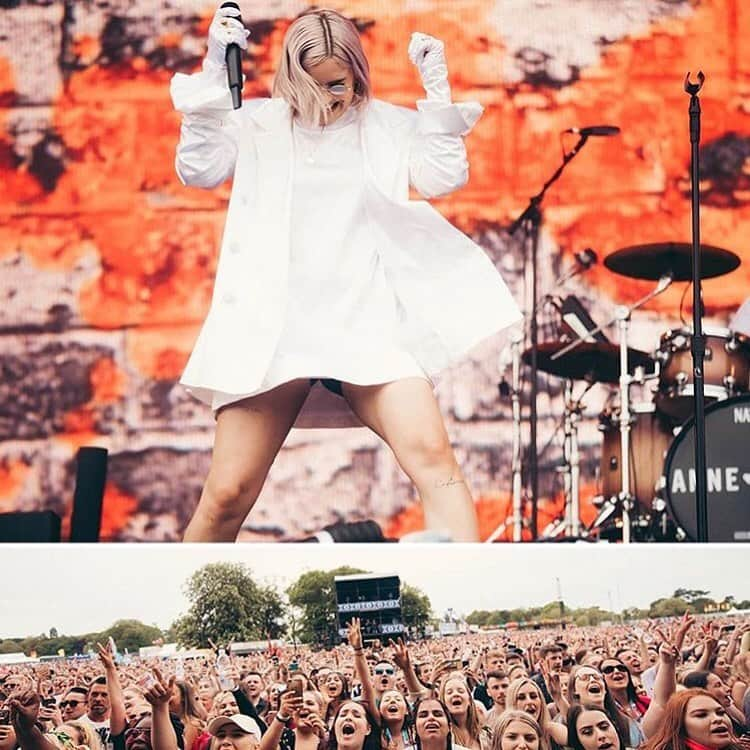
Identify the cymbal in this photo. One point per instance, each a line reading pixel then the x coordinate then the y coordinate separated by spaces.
pixel 597 361
pixel 657 259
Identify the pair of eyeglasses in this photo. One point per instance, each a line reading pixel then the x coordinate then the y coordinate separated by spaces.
pixel 337 89
pixel 614 667
pixel 72 704
pixel 588 676
pixel 384 670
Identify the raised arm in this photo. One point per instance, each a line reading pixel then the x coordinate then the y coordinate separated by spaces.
pixel 24 711
pixel 665 683
pixel 163 736
pixel 354 635
pixel 207 151
pixel 117 719
pixel 437 160
pixel 733 646
pixel 401 657
pixel 289 705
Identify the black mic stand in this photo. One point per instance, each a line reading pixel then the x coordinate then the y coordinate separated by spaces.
pixel 531 220
pixel 698 344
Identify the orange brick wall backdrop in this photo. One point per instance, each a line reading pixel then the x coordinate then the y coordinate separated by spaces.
pixel 107 261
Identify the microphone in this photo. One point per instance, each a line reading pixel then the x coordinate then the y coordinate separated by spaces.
pixel 233 59
pixel 594 130
pixel 584 260
pixel 587 258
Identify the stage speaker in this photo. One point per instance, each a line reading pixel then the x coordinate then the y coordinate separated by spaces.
pixel 35 526
pixel 91 476
pixel 361 532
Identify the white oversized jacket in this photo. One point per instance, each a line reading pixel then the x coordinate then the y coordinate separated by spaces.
pixel 451 294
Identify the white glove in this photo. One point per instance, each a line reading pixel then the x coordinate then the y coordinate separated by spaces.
pixel 226 28
pixel 428 54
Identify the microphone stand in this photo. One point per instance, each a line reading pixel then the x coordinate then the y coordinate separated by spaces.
pixel 531 221
pixel 698 343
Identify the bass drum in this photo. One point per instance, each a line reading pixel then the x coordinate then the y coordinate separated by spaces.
pixel 728 473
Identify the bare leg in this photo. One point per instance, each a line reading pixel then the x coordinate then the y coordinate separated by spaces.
pixel 406 415
pixel 248 437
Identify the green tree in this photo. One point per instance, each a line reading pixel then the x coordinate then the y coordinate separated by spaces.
pixel 634 613
pixel 128 634
pixel 479 617
pixel 416 609
pixel 670 607
pixel 226 605
pixel 690 595
pixel 314 594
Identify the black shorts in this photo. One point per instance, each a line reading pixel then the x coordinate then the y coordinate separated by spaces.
pixel 334 386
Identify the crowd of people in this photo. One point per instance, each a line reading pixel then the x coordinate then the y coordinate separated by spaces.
pixel 668 685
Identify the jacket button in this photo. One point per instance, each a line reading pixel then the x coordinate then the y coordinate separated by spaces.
pixel 229 299
pixel 234 248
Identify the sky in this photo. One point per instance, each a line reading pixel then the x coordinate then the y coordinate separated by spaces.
pixel 79 589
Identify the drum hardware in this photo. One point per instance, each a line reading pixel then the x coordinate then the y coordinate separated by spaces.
pixel 624 499
pixel 726 373
pixel 593 361
pixel 514 391
pixel 569 523
pixel 652 261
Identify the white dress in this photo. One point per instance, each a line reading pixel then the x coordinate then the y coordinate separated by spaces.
pixel 342 316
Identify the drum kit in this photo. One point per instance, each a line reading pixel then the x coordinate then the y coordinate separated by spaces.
pixel 651 496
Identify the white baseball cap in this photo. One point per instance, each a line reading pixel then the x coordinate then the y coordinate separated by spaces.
pixel 246 723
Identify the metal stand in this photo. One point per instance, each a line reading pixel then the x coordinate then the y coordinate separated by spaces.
pixel 516 518
pixel 625 497
pixel 698 344
pixel 516 341
pixel 572 463
pixel 531 221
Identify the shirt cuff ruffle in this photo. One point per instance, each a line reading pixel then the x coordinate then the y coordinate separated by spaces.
pixel 445 118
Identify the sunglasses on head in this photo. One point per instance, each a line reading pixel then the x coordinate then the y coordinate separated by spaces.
pixel 613 667
pixel 383 670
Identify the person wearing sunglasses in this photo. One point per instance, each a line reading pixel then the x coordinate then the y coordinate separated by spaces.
pixel 591 687
pixel 384 677
pixel 621 687
pixel 74 704
pixel 332 284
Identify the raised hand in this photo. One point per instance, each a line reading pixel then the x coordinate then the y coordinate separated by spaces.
pixel 105 656
pixel 225 29
pixel 354 633
pixel 400 654
pixel 24 710
pixel 552 680
pixel 289 703
pixel 160 691
pixel 428 54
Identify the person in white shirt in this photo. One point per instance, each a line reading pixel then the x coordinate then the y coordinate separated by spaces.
pixel 328 273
